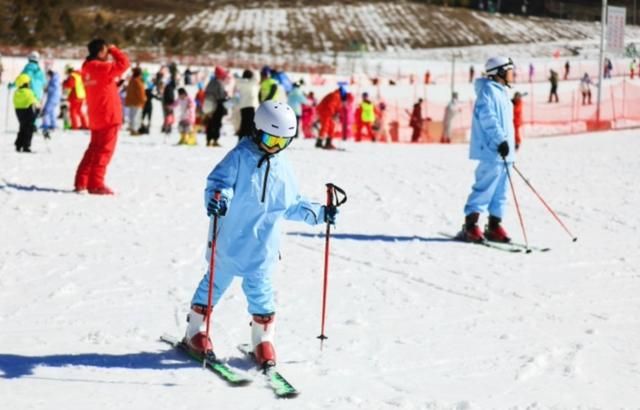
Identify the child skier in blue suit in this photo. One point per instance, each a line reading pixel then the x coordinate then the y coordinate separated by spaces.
pixel 257 191
pixel 52 101
pixel 493 144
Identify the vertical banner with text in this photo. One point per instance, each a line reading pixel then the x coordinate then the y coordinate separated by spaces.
pixel 616 17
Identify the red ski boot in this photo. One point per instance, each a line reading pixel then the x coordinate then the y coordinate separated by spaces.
pixel 495 232
pixel 196 337
pixel 470 230
pixel 262 337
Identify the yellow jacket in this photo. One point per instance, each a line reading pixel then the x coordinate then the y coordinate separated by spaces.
pixel 368 112
pixel 24 98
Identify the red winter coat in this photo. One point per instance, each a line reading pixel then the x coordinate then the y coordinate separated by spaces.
pixel 103 99
pixel 330 105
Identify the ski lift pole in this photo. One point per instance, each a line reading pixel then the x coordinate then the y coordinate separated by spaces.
pixel 332 201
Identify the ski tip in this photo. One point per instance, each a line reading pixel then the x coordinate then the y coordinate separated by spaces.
pixel 575 239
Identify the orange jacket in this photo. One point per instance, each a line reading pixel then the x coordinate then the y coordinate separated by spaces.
pixel 103 100
pixel 136 96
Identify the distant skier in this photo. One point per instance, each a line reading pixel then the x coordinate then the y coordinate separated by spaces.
pixel 215 110
pixel 76 95
pixel 186 113
pixel 168 101
pixel 450 114
pixel 328 110
pixel 269 88
pixel 567 69
pixel 246 96
pixel 258 191
pixel 52 101
pixel 135 99
pixel 492 143
pixel 367 116
pixel 585 89
pixel 517 102
pixel 36 75
pixel 295 99
pixel 105 114
pixel 416 121
pixel 553 81
pixel 26 105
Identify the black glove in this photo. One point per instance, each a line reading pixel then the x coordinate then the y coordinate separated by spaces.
pixel 330 213
pixel 503 149
pixel 217 207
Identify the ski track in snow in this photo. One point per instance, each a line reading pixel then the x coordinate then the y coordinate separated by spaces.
pixel 415 321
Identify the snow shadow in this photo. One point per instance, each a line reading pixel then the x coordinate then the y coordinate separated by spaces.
pixel 365 237
pixel 16 366
pixel 33 188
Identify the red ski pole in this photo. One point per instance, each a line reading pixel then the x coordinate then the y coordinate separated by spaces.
pixel 332 201
pixel 212 271
pixel 515 199
pixel 575 238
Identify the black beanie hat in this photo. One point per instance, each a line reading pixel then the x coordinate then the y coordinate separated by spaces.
pixel 95 46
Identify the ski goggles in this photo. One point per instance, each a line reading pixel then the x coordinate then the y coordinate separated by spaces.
pixel 272 141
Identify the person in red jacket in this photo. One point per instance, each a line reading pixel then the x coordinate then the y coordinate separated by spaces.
pixel 415 121
pixel 327 110
pixel 105 114
pixel 75 92
pixel 517 117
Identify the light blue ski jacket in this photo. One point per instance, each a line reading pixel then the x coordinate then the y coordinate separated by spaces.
pixel 54 91
pixel 261 191
pixel 38 80
pixel 492 122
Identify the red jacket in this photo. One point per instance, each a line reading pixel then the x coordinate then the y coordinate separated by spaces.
pixel 329 105
pixel 517 112
pixel 103 99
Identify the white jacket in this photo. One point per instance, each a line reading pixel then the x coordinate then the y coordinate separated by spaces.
pixel 247 93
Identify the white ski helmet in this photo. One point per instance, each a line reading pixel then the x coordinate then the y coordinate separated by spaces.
pixel 276 118
pixel 495 65
pixel 33 56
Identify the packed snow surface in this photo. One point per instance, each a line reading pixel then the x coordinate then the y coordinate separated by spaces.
pixel 415 321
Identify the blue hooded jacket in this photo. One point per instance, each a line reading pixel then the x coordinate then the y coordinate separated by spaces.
pixel 492 122
pixel 261 191
pixel 54 91
pixel 38 79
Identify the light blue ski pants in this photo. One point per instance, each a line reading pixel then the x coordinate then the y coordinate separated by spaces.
pixel 257 290
pixel 489 192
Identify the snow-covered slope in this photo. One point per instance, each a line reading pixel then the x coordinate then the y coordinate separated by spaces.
pixel 87 284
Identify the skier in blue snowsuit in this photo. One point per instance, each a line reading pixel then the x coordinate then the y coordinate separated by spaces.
pixel 257 191
pixel 493 144
pixel 52 101
pixel 33 70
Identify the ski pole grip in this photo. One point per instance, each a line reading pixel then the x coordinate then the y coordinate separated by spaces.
pixel 333 195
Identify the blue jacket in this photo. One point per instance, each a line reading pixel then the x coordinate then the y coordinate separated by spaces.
pixel 492 122
pixel 260 191
pixel 38 80
pixel 54 90
pixel 295 99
